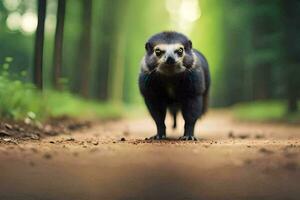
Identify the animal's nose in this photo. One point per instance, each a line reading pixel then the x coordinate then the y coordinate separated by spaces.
pixel 170 60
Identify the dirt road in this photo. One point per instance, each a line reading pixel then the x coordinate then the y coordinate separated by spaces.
pixel 232 160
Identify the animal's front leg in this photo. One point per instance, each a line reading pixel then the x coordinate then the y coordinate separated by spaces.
pixel 157 109
pixel 191 111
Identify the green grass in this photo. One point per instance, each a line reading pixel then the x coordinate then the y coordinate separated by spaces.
pixel 265 111
pixel 64 103
pixel 20 100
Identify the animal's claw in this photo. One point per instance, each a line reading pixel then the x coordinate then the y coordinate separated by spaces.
pixel 158 137
pixel 186 137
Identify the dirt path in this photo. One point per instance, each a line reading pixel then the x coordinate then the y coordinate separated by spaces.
pixel 231 161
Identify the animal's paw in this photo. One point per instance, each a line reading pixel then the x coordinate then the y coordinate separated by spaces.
pixel 157 137
pixel 188 137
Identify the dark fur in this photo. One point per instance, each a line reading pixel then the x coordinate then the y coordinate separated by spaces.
pixel 190 87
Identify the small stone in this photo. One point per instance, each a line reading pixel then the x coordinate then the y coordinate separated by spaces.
pixel 266 151
pixel 123 139
pixel 27 120
pixel 34 137
pixel 4 133
pixel 10 140
pixel 95 143
pixel 8 126
pixel 70 139
pixel 259 136
pixel 245 136
pixel 47 156
pixel 7 140
pixel 52 142
pixel 231 135
pixel 93 150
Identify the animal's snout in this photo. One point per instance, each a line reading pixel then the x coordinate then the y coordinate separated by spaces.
pixel 170 60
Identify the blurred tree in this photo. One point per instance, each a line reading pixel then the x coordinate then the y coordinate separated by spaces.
pixel 230 77
pixel 107 27
pixel 251 53
pixel 117 54
pixel 291 68
pixel 72 36
pixel 84 50
pixel 58 44
pixel 262 55
pixel 39 45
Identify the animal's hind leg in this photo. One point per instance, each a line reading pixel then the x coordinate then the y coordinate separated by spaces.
pixel 205 101
pixel 174 110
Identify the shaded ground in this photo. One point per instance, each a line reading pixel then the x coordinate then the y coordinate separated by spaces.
pixel 232 160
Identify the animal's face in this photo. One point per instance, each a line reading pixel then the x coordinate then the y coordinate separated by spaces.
pixel 169 58
pixel 168 53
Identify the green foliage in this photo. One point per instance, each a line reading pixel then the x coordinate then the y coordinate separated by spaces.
pixel 265 111
pixel 20 100
pixel 17 99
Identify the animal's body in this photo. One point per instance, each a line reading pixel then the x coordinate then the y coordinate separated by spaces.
pixel 174 76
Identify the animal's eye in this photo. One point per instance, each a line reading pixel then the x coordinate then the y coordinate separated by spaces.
pixel 180 51
pixel 158 52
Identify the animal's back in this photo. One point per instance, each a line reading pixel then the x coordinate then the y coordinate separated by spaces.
pixel 205 66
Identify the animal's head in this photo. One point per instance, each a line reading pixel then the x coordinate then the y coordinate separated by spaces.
pixel 168 53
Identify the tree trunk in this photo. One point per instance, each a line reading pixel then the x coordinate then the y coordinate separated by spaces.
pixel 116 70
pixel 117 58
pixel 291 55
pixel 262 81
pixel 85 48
pixel 58 44
pixel 292 102
pixel 39 45
pixel 105 45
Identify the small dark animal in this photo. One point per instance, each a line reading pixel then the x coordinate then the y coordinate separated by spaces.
pixel 174 76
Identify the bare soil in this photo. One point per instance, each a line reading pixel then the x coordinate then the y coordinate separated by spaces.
pixel 112 160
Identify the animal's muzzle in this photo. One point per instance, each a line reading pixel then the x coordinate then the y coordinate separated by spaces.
pixel 170 60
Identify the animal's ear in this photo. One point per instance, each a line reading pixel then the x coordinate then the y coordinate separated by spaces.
pixel 148 47
pixel 189 45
